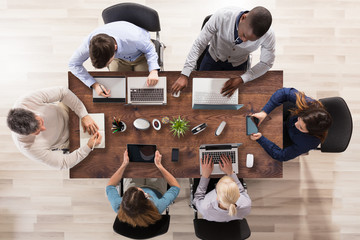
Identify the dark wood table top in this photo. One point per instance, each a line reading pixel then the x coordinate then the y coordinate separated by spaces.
pixel 102 163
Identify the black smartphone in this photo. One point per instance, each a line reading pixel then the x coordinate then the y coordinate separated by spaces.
pixel 175 155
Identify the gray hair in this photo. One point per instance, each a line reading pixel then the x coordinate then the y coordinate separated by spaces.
pixel 22 121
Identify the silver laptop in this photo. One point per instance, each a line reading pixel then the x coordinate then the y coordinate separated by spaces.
pixel 117 86
pixel 206 95
pixel 139 93
pixel 216 150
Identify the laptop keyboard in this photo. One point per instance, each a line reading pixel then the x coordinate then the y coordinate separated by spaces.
pixel 213 98
pixel 147 94
pixel 216 156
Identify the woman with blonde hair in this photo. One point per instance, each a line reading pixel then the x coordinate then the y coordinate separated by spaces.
pixel 228 201
pixel 144 199
pixel 304 129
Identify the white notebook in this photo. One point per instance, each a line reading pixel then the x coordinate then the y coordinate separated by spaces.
pixel 99 118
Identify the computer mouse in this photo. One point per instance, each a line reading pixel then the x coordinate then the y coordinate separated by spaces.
pixel 141 124
pixel 249 160
pixel 176 94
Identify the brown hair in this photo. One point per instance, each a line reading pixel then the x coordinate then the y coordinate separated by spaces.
pixel 260 20
pixel 136 210
pixel 314 115
pixel 101 49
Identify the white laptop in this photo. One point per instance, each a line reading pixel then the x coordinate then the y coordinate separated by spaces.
pixel 139 93
pixel 206 95
pixel 117 85
pixel 216 150
pixel 99 118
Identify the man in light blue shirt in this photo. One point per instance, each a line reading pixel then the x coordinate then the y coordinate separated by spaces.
pixel 120 46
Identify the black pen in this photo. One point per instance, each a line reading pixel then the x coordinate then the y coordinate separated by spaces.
pixel 102 89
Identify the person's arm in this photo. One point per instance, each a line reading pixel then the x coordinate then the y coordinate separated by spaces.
pixel 111 191
pixel 169 196
pixel 279 97
pixel 285 154
pixel 267 58
pixel 57 158
pixel 207 166
pixel 76 64
pixel 146 46
pixel 170 179
pixel 116 177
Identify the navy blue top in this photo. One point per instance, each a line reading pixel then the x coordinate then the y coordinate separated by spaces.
pixel 302 142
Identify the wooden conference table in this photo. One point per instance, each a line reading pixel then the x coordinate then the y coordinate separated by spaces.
pixel 102 163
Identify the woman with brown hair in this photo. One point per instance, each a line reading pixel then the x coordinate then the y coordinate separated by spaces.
pixel 142 206
pixel 306 127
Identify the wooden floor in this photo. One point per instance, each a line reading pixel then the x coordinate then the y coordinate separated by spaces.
pixel 318 47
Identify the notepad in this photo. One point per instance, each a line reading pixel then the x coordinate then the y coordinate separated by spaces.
pixel 117 85
pixel 99 118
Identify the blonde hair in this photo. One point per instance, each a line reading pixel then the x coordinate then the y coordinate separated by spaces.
pixel 228 193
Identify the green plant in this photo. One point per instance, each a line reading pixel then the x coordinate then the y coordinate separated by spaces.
pixel 179 126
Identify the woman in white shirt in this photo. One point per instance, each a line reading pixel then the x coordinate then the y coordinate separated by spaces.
pixel 228 201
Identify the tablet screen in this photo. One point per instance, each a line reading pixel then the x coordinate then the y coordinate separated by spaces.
pixel 250 126
pixel 141 153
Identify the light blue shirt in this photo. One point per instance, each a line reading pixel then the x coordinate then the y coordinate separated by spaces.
pixel 160 202
pixel 132 41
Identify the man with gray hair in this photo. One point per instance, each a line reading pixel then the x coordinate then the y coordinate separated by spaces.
pixel 39 125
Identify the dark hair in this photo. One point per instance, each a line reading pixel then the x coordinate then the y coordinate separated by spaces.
pixel 314 115
pixel 101 49
pixel 259 20
pixel 136 210
pixel 22 121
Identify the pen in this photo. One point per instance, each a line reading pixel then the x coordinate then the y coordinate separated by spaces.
pixel 94 144
pixel 102 89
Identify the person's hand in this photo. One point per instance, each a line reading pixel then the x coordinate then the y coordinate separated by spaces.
pixel 101 90
pixel 230 86
pixel 226 165
pixel 126 159
pixel 260 115
pixel 255 136
pixel 89 125
pixel 180 84
pixel 158 157
pixel 96 138
pixel 207 166
pixel 153 78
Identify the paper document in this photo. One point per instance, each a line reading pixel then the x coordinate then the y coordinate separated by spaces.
pixel 99 118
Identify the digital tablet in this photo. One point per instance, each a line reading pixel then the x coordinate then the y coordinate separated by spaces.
pixel 141 153
pixel 251 125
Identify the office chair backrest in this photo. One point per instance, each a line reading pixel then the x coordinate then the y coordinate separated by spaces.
pixel 137 14
pixel 159 228
pixel 340 132
pixel 233 230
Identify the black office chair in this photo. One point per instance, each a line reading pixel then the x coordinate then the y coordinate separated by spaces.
pixel 340 132
pixel 198 62
pixel 210 230
pixel 142 16
pixel 159 228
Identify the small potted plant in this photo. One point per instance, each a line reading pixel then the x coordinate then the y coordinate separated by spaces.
pixel 179 126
